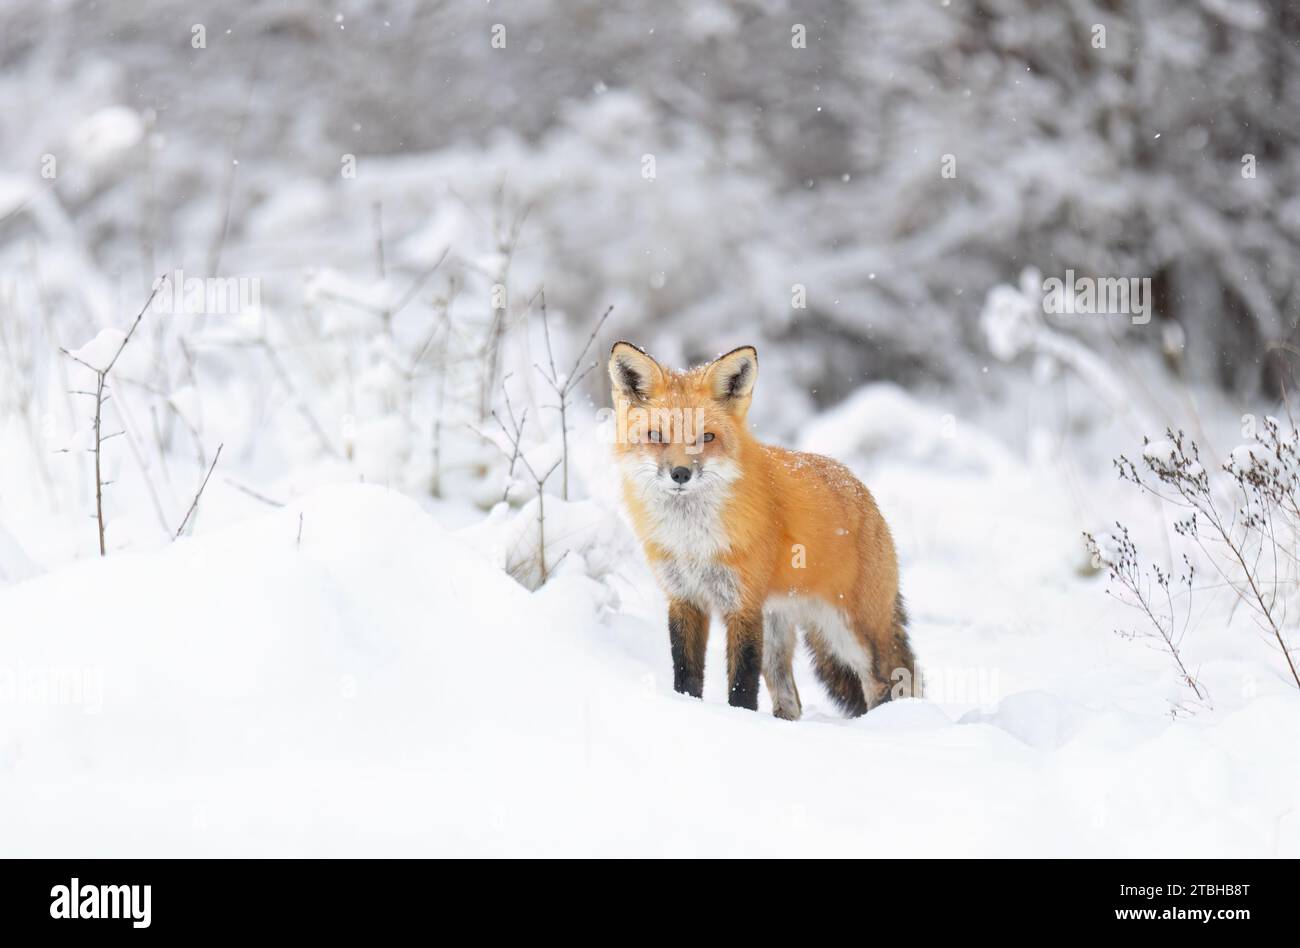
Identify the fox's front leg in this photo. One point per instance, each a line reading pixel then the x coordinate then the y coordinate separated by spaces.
pixel 688 634
pixel 744 658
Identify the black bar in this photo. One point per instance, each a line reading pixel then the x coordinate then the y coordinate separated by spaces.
pixel 334 897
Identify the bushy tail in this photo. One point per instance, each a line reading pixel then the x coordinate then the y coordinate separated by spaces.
pixel 894 673
pixel 895 663
pixel 842 683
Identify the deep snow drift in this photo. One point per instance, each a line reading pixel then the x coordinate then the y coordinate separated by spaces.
pixel 382 687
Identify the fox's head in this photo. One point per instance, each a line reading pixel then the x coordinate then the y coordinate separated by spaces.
pixel 681 432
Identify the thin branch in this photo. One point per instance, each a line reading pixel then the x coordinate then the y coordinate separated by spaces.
pixel 571 380
pixel 194 506
pixel 252 493
pixel 101 378
pixel 378 218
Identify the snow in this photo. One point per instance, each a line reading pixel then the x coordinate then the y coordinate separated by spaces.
pixel 883 421
pixel 1245 457
pixel 1010 320
pixel 1242 14
pixel 99 352
pixel 580 535
pixel 1160 452
pixel 14 193
pixel 106 134
pixel 385 688
pixel 14 562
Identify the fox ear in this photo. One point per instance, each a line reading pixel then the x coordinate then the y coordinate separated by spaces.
pixel 634 374
pixel 731 377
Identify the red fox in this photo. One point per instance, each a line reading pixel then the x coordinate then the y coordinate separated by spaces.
pixel 768 538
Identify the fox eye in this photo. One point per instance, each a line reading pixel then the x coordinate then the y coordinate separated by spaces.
pixel 654 436
pixel 708 436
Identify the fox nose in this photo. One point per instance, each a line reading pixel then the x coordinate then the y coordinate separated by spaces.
pixel 681 474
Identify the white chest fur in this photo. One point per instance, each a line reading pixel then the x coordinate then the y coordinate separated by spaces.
pixel 706 583
pixel 689 528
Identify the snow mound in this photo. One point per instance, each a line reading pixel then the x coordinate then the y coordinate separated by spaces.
pixel 377 686
pixel 580 535
pixel 882 422
pixel 1038 718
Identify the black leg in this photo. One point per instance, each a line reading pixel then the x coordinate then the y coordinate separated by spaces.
pixel 688 634
pixel 744 659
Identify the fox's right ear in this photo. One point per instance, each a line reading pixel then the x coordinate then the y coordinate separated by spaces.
pixel 634 374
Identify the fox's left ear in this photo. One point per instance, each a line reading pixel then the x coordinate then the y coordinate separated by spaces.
pixel 731 377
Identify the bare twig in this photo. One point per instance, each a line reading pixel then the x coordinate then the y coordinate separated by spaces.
pixel 563 387
pixel 507 239
pixel 378 218
pixel 1126 570
pixel 514 436
pixel 541 515
pixel 128 425
pixel 300 403
pixel 22 366
pixel 435 486
pixel 387 312
pixel 101 378
pixel 218 243
pixel 194 506
pixel 252 493
pixel 1268 478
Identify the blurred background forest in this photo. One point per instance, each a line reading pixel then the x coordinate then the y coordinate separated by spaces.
pixel 400 179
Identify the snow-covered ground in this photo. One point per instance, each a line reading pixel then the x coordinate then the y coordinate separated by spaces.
pixel 356 674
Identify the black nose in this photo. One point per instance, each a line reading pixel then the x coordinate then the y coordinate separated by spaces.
pixel 681 474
